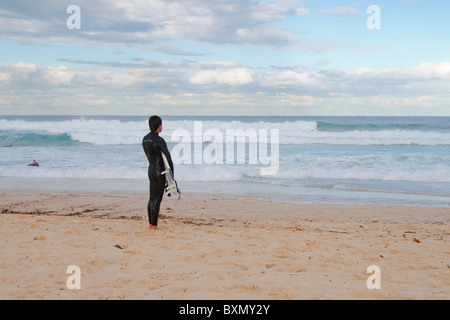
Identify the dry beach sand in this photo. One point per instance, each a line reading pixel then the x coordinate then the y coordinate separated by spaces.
pixel 219 249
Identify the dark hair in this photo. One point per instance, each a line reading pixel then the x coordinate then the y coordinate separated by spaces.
pixel 154 122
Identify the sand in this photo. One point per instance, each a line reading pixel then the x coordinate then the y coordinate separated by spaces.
pixel 219 249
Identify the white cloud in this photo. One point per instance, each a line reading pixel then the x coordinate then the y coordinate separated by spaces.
pixel 433 70
pixel 289 78
pixel 302 12
pixel 424 71
pixel 95 102
pixel 58 76
pixel 233 77
pixel 25 68
pixel 342 11
pixel 4 78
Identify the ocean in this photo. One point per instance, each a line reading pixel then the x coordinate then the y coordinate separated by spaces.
pixel 335 160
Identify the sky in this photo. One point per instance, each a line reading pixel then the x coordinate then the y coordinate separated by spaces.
pixel 225 57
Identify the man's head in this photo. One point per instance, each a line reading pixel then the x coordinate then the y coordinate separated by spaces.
pixel 154 123
pixel 34 161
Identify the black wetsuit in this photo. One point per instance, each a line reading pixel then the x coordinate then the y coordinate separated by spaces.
pixel 153 146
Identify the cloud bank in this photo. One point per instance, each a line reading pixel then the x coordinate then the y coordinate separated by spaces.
pixel 223 85
pixel 149 24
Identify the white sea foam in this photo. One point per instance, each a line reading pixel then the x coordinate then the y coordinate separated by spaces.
pixel 381 168
pixel 114 132
pixel 370 167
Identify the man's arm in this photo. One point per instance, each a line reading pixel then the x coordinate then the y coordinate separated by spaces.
pixel 163 146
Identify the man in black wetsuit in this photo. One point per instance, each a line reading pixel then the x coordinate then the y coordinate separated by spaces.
pixel 153 146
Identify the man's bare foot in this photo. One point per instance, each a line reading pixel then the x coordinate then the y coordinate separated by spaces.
pixel 152 227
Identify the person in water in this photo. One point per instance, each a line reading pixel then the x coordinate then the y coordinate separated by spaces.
pixel 153 145
pixel 33 164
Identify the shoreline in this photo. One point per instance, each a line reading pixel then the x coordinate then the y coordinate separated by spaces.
pixel 14 186
pixel 226 208
pixel 219 249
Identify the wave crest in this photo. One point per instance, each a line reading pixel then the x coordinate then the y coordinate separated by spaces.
pixel 115 132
